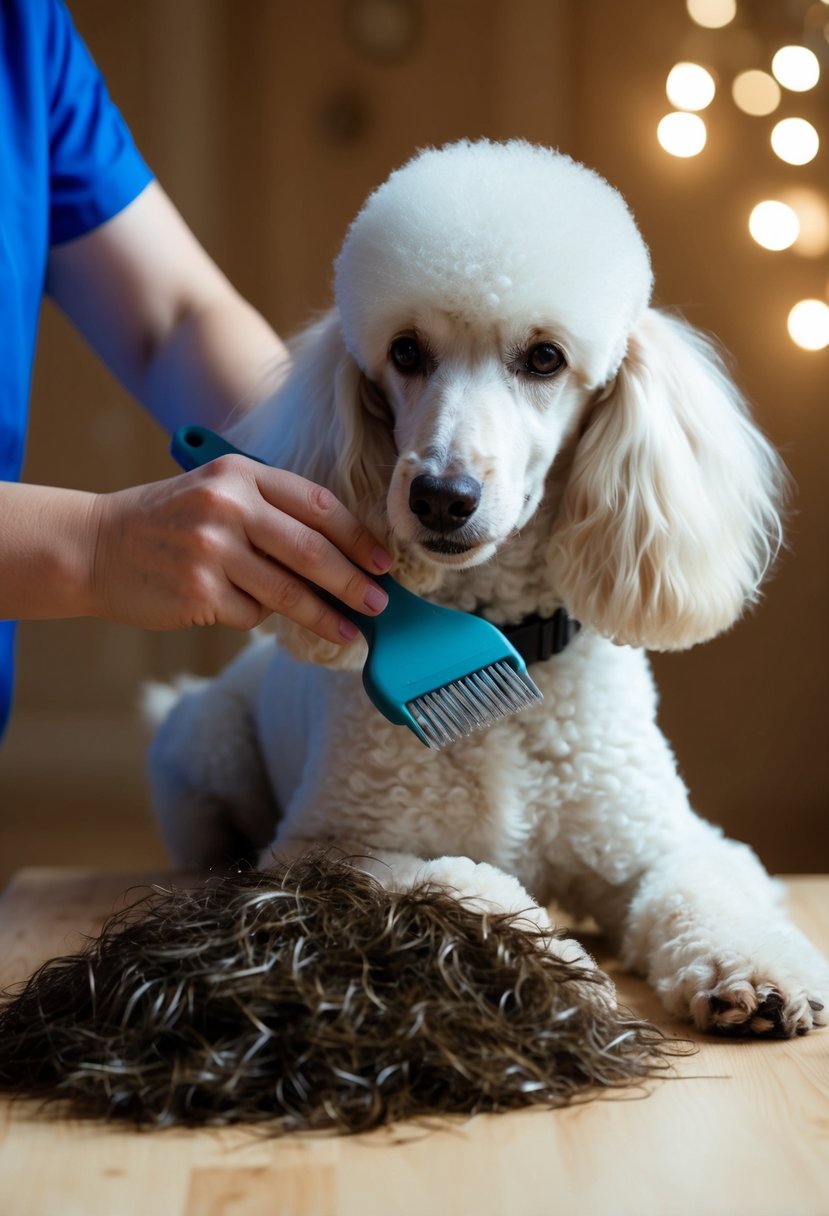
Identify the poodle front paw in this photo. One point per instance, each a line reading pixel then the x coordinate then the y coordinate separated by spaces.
pixel 739 997
pixel 484 888
pixel 488 890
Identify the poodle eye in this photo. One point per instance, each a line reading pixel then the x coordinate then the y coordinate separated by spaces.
pixel 544 359
pixel 407 356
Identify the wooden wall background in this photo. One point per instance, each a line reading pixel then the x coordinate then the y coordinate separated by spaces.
pixel 268 126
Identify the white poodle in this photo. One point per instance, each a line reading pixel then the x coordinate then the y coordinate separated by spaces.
pixel 494 394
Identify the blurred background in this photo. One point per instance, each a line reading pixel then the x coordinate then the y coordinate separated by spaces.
pixel 268 122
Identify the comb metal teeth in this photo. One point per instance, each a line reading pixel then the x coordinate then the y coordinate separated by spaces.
pixel 472 703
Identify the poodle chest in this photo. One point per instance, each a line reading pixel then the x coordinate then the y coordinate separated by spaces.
pixel 340 772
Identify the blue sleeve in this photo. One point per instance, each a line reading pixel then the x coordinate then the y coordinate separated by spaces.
pixel 95 169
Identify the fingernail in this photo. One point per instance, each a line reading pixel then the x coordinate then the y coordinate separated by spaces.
pixel 375 598
pixel 348 631
pixel 381 558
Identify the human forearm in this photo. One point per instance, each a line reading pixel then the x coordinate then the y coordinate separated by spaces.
pixel 163 317
pixel 46 552
pixel 217 359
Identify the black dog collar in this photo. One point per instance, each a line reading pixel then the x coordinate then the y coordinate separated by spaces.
pixel 537 638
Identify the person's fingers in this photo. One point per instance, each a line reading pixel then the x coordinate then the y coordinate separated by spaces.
pixel 306 553
pixel 233 607
pixel 314 535
pixel 326 514
pixel 271 587
pixel 323 512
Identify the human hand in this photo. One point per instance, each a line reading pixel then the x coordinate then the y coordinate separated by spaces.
pixel 230 543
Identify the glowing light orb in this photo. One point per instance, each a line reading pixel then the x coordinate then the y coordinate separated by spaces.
pixel 774 225
pixel 795 141
pixel 797 68
pixel 682 134
pixel 712 14
pixel 756 93
pixel 690 86
pixel 809 324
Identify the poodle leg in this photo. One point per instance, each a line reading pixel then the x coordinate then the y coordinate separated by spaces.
pixel 481 886
pixel 694 912
pixel 487 889
pixel 207 779
pixel 707 928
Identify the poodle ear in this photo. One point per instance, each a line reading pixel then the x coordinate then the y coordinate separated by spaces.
pixel 328 423
pixel 365 448
pixel 669 518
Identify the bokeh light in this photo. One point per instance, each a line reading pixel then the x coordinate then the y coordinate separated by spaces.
pixel 795 141
pixel 809 324
pixel 682 134
pixel 813 214
pixel 756 93
pixel 796 68
pixel 774 225
pixel 690 86
pixel 712 14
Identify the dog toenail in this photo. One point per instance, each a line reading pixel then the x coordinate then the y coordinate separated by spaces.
pixel 816 1006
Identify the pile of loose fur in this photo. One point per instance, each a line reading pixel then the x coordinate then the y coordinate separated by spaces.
pixel 309 997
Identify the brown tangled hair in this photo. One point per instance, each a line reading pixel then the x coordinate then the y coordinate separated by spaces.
pixel 309 997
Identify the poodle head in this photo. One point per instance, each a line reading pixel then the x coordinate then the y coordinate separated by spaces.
pixel 496 298
pixel 486 290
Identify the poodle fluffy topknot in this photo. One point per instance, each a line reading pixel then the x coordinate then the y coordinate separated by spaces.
pixel 492 331
pixel 482 227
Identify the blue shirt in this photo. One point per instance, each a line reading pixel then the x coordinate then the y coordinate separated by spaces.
pixel 67 164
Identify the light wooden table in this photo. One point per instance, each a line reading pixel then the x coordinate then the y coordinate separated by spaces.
pixel 743 1131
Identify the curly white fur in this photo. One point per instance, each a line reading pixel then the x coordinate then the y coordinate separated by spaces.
pixel 629 485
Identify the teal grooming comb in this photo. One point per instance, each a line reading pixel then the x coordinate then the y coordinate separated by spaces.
pixel 442 673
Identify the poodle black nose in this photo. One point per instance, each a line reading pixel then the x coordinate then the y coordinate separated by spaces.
pixel 444 504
